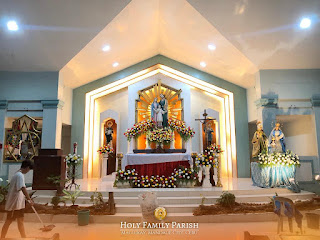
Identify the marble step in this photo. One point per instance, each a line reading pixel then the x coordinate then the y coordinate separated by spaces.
pixel 132 192
pixel 178 200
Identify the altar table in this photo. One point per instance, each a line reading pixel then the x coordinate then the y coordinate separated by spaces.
pixel 156 164
pixel 272 176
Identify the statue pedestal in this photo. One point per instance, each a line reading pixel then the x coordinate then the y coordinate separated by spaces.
pixel 104 167
pixel 206 181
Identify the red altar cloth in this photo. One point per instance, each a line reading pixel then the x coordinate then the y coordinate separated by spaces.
pixel 160 169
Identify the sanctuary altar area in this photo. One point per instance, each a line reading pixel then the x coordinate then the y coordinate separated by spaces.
pixel 158 116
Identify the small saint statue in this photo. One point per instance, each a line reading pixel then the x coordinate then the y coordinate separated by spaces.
pixel 259 141
pixel 276 140
pixel 108 132
pixel 208 133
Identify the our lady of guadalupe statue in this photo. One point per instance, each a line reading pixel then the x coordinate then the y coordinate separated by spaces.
pixel 259 141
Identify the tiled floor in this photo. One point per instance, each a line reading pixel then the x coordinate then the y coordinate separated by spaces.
pixel 216 231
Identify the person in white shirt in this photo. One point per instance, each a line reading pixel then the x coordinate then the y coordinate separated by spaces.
pixel 15 201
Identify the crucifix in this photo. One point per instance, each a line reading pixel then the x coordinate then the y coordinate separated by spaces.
pixel 207 128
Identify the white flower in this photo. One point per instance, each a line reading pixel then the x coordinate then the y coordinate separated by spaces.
pixel 1 180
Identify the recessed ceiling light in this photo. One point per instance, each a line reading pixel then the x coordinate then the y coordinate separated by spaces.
pixel 305 23
pixel 203 64
pixel 106 48
pixel 12 26
pixel 212 47
pixel 115 64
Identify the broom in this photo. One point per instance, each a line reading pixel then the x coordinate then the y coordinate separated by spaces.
pixel 44 228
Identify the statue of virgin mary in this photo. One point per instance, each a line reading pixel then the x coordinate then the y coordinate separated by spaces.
pixel 154 107
pixel 276 140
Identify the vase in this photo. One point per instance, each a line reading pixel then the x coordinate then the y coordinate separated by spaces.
pixel 206 181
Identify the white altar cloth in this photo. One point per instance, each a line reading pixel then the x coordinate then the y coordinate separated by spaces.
pixel 140 159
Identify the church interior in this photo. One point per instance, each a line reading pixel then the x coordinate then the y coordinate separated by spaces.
pixel 120 95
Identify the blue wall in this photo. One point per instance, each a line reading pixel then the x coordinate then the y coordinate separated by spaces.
pixel 23 92
pixel 240 102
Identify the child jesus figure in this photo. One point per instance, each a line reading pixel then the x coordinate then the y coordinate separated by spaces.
pixel 159 113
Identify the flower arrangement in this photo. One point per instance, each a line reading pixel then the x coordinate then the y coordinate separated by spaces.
pixel 185 174
pixel 207 160
pixel 213 148
pixel 155 182
pixel 139 128
pixel 279 159
pixel 125 176
pixel 73 159
pixel 160 135
pixel 209 156
pixel 106 149
pixel 180 126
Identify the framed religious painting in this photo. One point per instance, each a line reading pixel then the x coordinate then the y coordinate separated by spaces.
pixel 22 141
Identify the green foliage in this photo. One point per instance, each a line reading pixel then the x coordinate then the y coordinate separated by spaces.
pixel 97 199
pixel 3 191
pixel 227 199
pixel 56 200
pixel 71 196
pixel 56 180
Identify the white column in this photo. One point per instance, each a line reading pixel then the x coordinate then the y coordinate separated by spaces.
pixel 52 124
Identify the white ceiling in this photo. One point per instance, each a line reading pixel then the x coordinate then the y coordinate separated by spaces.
pixel 267 31
pixel 51 31
pixel 172 28
pixel 69 35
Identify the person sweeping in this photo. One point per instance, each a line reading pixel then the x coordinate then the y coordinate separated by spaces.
pixel 15 203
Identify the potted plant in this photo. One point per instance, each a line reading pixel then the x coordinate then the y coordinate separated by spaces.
pixel 97 199
pixel 72 196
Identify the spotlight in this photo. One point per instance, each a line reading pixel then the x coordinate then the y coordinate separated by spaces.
pixel 106 48
pixel 305 23
pixel 115 64
pixel 203 64
pixel 212 47
pixel 12 26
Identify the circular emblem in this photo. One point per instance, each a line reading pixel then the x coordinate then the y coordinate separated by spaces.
pixel 160 213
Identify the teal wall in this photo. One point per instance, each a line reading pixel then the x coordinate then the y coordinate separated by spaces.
pixel 22 93
pixel 240 102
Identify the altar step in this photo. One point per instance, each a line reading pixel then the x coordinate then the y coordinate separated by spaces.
pixel 180 201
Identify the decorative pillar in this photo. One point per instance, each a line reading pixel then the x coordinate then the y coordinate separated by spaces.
pixel 52 124
pixel 3 112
